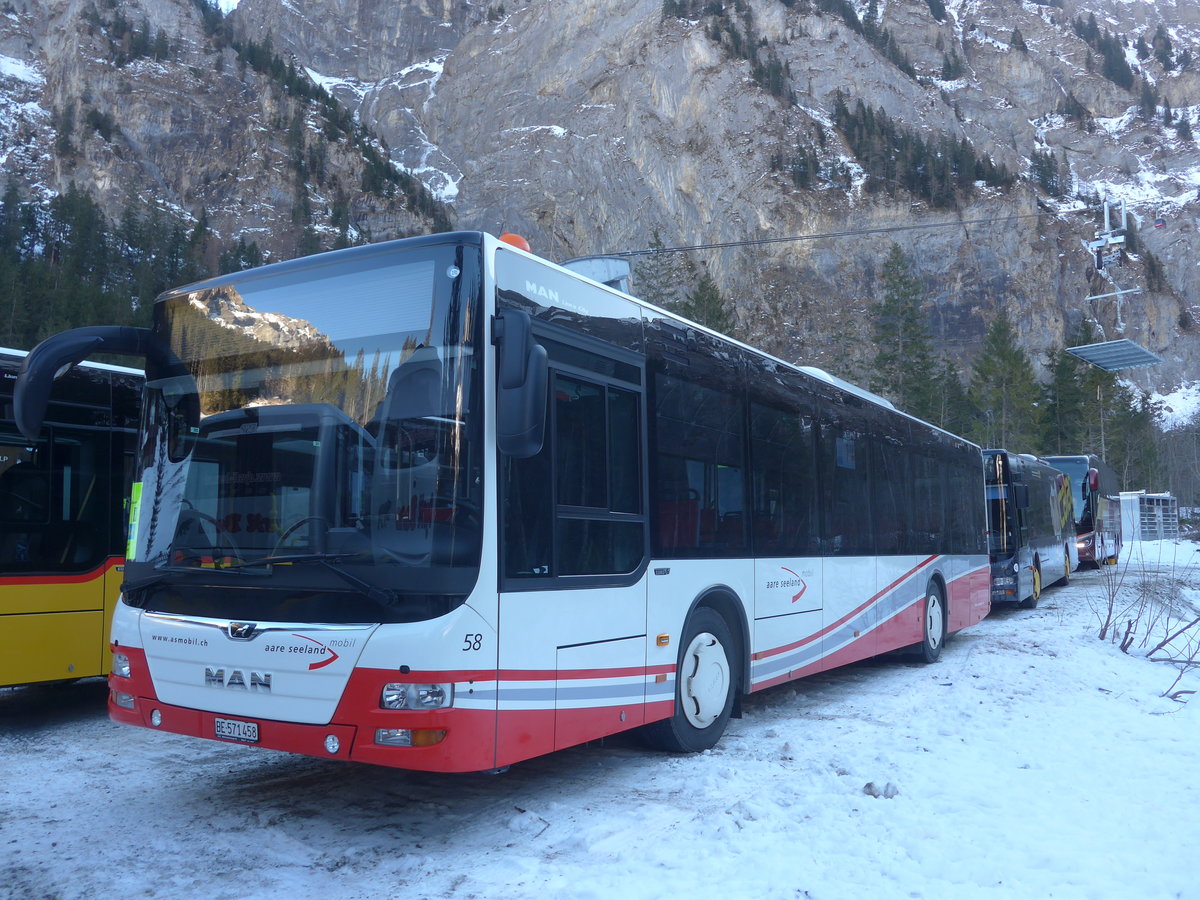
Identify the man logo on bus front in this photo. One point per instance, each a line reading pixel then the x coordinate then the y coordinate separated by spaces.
pixel 242 631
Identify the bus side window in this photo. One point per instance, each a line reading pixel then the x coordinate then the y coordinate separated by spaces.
pixel 575 507
pixel 24 502
pixel 845 466
pixel 54 502
pixel 929 508
pixel 598 475
pixel 783 481
pixel 23 489
pixel 698 487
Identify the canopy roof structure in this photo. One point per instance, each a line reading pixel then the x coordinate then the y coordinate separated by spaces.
pixel 1114 355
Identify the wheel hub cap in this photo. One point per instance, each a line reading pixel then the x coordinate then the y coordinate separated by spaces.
pixel 706 684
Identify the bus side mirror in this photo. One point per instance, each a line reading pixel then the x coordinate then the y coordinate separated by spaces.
pixel 1021 496
pixel 59 353
pixel 53 358
pixel 520 385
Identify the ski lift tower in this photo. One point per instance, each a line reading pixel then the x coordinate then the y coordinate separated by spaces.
pixel 1112 356
pixel 1108 248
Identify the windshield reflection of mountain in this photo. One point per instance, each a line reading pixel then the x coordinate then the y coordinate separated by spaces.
pixel 315 445
pixel 307 479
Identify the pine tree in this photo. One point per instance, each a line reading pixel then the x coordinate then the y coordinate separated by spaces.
pixel 1064 399
pixel 903 367
pixel 1148 106
pixel 1130 445
pixel 706 306
pixel 1004 392
pixel 662 278
pixel 952 409
pixel 1183 127
pixel 1088 409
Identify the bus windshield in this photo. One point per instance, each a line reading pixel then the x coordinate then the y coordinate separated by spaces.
pixel 319 439
pixel 1076 468
pixel 1002 535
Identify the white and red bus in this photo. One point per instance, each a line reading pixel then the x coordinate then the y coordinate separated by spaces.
pixel 1097 503
pixel 439 504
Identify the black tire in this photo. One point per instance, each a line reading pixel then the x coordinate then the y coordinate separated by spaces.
pixel 1031 601
pixel 933 623
pixel 706 682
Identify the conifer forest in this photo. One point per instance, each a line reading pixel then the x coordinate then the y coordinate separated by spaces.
pixel 64 266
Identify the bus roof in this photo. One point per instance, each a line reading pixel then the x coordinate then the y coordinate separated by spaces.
pixel 87 364
pixel 483 239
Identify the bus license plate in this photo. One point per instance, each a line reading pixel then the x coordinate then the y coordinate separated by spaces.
pixel 233 730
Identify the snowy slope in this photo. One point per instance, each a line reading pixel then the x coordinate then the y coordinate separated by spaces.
pixel 1033 761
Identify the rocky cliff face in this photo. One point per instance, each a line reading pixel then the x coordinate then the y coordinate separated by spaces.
pixel 595 125
pixel 149 102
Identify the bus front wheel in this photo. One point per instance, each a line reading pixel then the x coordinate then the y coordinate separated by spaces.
pixel 1031 601
pixel 1066 579
pixel 705 684
pixel 934 627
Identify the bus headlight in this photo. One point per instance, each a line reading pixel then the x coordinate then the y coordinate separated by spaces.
pixel 416 696
pixel 120 665
pixel 405 737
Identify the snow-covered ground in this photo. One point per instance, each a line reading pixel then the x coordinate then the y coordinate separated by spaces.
pixel 1032 761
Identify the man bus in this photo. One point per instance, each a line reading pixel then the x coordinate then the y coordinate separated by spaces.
pixel 439 504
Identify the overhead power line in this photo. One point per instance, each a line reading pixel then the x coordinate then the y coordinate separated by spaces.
pixel 725 245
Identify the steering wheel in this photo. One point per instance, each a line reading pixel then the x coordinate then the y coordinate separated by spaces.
pixel 219 533
pixel 18 500
pixel 292 529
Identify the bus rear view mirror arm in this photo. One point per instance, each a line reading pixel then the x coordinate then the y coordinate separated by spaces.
pixel 59 353
pixel 521 385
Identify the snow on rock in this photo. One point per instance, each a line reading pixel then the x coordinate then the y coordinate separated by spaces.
pixel 1180 406
pixel 20 70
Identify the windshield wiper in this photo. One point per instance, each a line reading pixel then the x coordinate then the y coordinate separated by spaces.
pixel 385 596
pixel 162 575
pixel 290 558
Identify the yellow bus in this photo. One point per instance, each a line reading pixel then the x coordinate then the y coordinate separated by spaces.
pixel 62 522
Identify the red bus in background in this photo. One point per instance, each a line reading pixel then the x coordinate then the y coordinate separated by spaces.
pixel 1097 499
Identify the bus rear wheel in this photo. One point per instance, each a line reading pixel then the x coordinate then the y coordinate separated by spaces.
pixel 705 684
pixel 933 629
